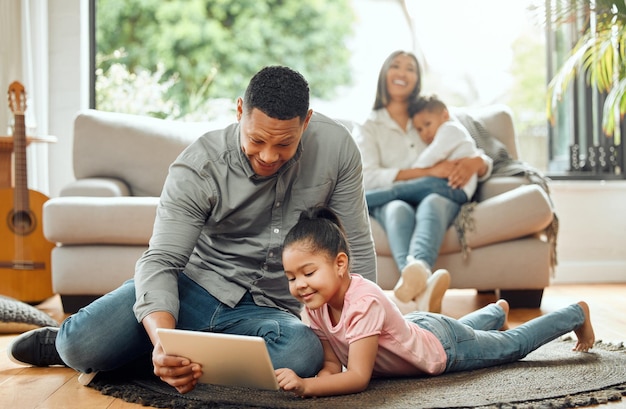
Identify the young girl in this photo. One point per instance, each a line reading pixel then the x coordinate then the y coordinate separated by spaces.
pixel 363 331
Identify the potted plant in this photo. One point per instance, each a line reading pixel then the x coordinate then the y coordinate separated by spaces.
pixel 599 55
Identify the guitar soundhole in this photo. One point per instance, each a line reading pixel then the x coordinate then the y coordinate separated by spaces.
pixel 22 222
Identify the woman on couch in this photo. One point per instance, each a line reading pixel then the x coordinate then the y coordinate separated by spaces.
pixel 389 147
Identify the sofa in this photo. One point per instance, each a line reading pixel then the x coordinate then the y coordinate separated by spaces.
pixel 102 222
pixel 510 245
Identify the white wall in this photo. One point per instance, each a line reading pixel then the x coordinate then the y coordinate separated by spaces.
pixel 369 50
pixel 69 82
pixel 591 245
pixel 10 56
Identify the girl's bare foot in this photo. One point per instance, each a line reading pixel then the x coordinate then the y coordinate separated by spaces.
pixel 584 333
pixel 505 307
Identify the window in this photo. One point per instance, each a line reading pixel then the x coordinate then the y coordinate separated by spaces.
pixel 483 52
pixel 579 148
pixel 191 59
pixel 475 53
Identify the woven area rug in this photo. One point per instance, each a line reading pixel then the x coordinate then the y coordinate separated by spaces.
pixel 551 377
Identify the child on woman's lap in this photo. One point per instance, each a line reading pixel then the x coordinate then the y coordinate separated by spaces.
pixel 446 140
pixel 363 331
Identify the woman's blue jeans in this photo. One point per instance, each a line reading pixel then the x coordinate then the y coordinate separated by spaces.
pixel 417 231
pixel 414 191
pixel 474 342
pixel 105 334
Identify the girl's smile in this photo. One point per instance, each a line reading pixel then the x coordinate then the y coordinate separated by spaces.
pixel 307 296
pixel 314 277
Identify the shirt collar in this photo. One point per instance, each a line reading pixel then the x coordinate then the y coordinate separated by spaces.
pixel 382 116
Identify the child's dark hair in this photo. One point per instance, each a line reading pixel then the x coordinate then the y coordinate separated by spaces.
pixel 321 230
pixel 279 92
pixel 430 103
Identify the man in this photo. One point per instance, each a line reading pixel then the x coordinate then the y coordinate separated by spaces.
pixel 214 260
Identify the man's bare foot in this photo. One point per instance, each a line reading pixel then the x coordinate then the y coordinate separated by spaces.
pixel 505 306
pixel 584 333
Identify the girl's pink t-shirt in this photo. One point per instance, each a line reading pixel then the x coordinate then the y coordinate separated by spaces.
pixel 403 347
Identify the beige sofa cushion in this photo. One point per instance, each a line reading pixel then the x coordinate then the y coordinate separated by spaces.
pixel 135 149
pixel 501 265
pixel 517 213
pixel 103 187
pixel 93 269
pixel 99 220
pixel 498 120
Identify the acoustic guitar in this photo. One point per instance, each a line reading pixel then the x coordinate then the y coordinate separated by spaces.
pixel 25 272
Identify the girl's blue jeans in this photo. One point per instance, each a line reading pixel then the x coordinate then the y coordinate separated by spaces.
pixel 105 334
pixel 414 191
pixel 417 231
pixel 474 342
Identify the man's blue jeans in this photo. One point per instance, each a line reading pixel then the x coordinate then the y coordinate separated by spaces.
pixel 106 335
pixel 416 231
pixel 474 342
pixel 414 191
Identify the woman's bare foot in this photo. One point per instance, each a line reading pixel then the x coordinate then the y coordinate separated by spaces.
pixel 584 333
pixel 505 306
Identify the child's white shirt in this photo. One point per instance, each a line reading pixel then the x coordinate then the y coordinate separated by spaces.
pixel 452 141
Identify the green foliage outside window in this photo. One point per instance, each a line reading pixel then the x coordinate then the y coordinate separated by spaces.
pixel 193 51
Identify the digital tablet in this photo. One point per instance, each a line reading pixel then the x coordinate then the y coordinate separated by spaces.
pixel 226 359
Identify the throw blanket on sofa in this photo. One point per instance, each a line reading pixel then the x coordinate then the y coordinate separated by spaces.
pixel 503 165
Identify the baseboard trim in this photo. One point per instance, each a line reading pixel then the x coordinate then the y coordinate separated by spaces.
pixel 590 272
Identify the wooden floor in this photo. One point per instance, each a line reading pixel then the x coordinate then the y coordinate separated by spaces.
pixel 25 387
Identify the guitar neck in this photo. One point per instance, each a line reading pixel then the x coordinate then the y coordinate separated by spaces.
pixel 20 171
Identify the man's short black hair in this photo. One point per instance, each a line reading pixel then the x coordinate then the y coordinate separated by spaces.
pixel 279 92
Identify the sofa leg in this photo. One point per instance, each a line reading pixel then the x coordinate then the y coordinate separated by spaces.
pixel 522 298
pixel 73 303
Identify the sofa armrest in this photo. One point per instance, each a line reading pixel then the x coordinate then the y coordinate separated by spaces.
pixel 99 220
pixel 521 212
pixel 496 185
pixel 96 187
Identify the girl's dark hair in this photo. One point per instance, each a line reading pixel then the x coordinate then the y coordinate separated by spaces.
pixel 322 231
pixel 382 93
pixel 279 92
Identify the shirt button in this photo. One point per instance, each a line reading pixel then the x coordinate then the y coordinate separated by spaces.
pixel 277 204
pixel 271 254
pixel 276 231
